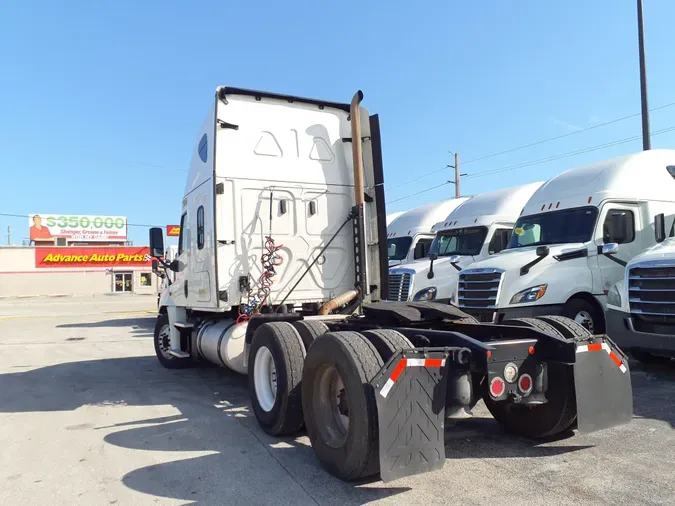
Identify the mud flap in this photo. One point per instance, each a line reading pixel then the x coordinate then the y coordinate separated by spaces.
pixel 410 392
pixel 603 385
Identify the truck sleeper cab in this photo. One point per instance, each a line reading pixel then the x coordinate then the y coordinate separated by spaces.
pixel 280 275
pixel 409 236
pixel 560 258
pixel 478 228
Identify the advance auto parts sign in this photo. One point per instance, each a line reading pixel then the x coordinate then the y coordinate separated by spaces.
pixel 47 227
pixel 72 257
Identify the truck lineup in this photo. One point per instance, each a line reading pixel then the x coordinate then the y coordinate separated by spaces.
pixel 280 275
pixel 567 254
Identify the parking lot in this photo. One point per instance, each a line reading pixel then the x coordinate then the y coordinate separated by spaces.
pixel 88 416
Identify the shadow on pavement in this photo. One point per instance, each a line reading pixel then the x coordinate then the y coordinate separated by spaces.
pixel 654 391
pixel 238 464
pixel 139 327
pixel 238 460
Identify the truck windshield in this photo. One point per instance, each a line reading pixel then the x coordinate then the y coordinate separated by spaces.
pixel 398 247
pixel 556 227
pixel 459 241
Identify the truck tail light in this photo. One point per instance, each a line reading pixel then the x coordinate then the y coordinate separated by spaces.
pixel 497 387
pixel 525 384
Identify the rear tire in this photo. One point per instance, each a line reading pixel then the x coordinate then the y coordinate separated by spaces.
pixel 387 342
pixel 275 364
pixel 161 342
pixel 309 330
pixel 339 404
pixel 541 420
pixel 567 327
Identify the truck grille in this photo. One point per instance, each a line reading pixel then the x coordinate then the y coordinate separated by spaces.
pixel 651 297
pixel 479 288
pixel 399 285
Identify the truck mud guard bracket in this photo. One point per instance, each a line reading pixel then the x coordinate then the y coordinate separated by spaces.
pixel 603 385
pixel 410 392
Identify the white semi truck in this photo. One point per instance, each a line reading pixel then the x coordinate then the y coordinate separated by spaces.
pixel 561 258
pixel 281 275
pixel 478 228
pixel 641 306
pixel 392 216
pixel 409 236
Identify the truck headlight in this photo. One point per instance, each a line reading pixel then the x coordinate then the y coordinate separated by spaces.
pixel 529 294
pixel 614 297
pixel 426 294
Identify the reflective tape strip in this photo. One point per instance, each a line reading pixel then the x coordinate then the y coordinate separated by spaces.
pixel 603 346
pixel 409 362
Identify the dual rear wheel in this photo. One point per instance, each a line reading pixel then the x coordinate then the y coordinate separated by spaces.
pixel 297 380
pixel 559 413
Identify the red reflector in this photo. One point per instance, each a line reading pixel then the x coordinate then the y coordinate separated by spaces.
pixel 530 350
pixel 497 387
pixel 594 347
pixel 616 359
pixel 399 368
pixel 489 354
pixel 525 383
pixel 433 362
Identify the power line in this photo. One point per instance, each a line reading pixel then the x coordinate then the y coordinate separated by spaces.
pixel 566 155
pixel 531 144
pixel 9 215
pixel 541 160
pixel 419 193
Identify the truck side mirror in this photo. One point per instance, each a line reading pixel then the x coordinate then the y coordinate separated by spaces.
pixel 617 228
pixel 454 260
pixel 156 242
pixel 542 251
pixel 610 248
pixel 155 265
pixel 432 257
pixel 660 227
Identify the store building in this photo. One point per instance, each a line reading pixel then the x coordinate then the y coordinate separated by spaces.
pixel 76 255
pixel 59 270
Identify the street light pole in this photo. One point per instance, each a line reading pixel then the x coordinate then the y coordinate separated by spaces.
pixel 646 140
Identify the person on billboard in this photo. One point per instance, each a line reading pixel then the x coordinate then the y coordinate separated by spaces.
pixel 38 232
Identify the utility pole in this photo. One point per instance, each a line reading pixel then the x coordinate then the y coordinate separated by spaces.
pixel 646 137
pixel 9 235
pixel 457 175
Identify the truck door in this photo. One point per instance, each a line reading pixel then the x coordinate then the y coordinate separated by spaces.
pixel 179 286
pixel 608 270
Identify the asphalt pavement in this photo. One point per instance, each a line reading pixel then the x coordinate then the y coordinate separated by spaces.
pixel 88 416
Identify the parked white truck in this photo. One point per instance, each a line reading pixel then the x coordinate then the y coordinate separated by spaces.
pixel 392 216
pixel 476 229
pixel 280 275
pixel 409 236
pixel 641 306
pixel 562 257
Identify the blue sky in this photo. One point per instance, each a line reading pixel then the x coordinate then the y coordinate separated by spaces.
pixel 100 103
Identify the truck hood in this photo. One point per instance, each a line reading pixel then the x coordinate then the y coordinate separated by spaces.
pixel 664 250
pixel 512 260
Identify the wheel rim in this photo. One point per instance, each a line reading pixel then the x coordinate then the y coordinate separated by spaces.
pixel 265 378
pixel 585 319
pixel 164 341
pixel 330 404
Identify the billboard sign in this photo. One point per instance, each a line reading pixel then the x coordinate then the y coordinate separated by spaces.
pixel 96 256
pixel 85 228
pixel 173 230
